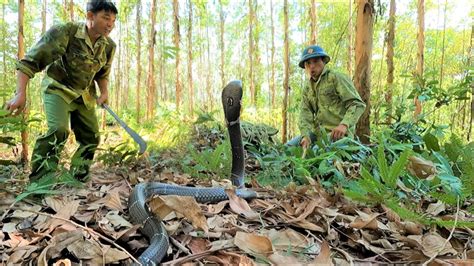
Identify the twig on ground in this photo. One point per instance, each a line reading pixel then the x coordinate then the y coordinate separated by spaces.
pixel 180 246
pixel 7 210
pixel 192 257
pixel 449 237
pixel 89 230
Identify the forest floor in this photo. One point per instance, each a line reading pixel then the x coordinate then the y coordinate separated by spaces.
pixel 88 224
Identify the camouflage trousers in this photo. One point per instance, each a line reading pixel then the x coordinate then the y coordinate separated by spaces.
pixel 60 117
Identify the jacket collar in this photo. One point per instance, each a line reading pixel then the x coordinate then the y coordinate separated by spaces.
pixel 81 33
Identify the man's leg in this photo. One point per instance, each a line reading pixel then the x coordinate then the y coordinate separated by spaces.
pixel 47 149
pixel 86 129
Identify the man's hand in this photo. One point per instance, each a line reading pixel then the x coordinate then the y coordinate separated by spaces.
pixel 305 142
pixel 339 132
pixel 102 99
pixel 16 105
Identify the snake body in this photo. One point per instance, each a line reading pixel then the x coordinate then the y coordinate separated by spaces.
pixel 152 226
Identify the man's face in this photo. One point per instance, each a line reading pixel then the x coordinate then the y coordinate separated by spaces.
pixel 103 22
pixel 314 67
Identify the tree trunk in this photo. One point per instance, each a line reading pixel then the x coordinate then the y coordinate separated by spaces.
pixel 163 87
pixel 272 62
pixel 176 40
pixel 420 54
pixel 71 10
pixel 469 132
pixel 222 44
pixel 441 74
pixel 313 21
pixel 190 58
pixel 139 58
pixel 21 54
pixel 363 55
pixel 251 81
pixel 208 73
pixel 4 52
pixel 349 41
pixel 126 59
pixel 43 17
pixel 286 60
pixel 390 67
pixel 118 72
pixel 151 88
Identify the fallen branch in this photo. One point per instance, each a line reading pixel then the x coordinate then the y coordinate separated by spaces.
pixel 89 230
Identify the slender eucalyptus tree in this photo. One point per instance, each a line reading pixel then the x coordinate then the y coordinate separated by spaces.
pixel 139 58
pixel 313 23
pixel 151 87
pixel 363 56
pixel 251 53
pixel 420 53
pixel 176 41
pixel 286 61
pixel 190 58
pixel 20 55
pixel 390 67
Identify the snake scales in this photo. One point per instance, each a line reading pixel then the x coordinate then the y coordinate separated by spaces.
pixel 152 226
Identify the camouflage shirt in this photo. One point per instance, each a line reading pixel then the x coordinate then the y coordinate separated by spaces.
pixel 328 102
pixel 72 63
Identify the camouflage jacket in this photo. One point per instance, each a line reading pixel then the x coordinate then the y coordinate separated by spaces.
pixel 72 63
pixel 328 102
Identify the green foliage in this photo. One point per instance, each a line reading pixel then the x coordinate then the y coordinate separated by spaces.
pixel 375 187
pixel 47 185
pixel 209 163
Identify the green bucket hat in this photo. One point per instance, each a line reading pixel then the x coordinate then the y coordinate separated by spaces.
pixel 312 52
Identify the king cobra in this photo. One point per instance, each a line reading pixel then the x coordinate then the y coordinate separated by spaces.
pixel 152 226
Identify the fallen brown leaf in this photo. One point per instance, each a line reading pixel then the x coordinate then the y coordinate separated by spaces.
pixel 283 258
pixel 432 244
pixel 436 208
pixel 198 245
pixel 217 208
pixel 184 205
pixel 324 257
pixel 240 206
pixel 421 168
pixel 253 244
pixel 289 239
pixel 57 244
pixel 65 262
pixel 21 254
pixel 365 221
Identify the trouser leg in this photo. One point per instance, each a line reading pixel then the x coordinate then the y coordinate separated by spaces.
pixel 48 147
pixel 86 129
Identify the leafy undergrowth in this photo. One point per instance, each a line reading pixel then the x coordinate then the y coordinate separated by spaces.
pixel 340 203
pixel 299 224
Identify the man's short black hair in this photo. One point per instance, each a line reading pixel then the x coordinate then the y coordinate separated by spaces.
pixel 98 5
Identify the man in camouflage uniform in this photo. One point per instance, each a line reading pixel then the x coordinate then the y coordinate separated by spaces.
pixel 75 56
pixel 329 100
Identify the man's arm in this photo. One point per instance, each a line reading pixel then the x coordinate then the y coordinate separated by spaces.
pixel 102 77
pixel 351 99
pixel 104 91
pixel 306 118
pixel 49 48
pixel 16 105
